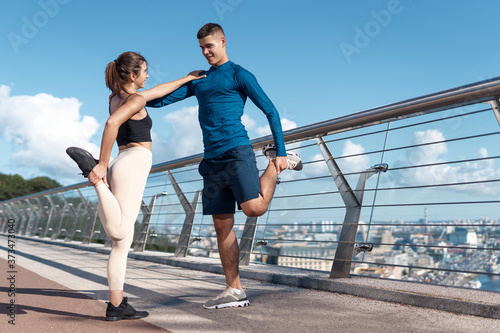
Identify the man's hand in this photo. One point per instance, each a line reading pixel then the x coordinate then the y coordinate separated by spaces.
pixel 98 172
pixel 280 163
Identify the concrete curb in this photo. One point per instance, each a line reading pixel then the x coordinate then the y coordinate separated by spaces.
pixel 312 280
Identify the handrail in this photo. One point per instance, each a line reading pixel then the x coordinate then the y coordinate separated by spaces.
pixel 47 192
pixel 447 99
pixel 478 92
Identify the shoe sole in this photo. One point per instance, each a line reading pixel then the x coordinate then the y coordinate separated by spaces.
pixel 238 304
pixel 270 153
pixel 79 154
pixel 124 317
pixel 299 165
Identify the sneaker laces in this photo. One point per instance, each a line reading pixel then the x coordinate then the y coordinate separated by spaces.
pixel 224 293
pixel 291 164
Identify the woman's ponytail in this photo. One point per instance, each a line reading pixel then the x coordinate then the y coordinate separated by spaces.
pixel 117 71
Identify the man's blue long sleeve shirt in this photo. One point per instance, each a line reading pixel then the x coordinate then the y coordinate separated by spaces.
pixel 221 98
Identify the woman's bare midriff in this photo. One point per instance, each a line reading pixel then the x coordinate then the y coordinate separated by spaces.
pixel 146 145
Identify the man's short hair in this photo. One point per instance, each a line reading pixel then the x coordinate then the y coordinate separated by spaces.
pixel 209 29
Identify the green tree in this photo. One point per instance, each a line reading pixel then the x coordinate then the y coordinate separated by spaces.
pixel 40 184
pixel 13 186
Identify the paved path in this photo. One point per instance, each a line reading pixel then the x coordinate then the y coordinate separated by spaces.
pixel 61 289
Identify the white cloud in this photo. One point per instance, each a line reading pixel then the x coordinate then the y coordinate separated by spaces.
pixel 318 168
pixel 286 124
pixel 445 173
pixel 248 122
pixel 427 153
pixel 184 138
pixel 346 165
pixel 353 163
pixel 40 128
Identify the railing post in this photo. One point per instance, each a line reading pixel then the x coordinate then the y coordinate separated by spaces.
pixel 246 241
pixel 72 226
pixel 24 219
pixel 47 214
pixel 147 213
pixel 30 231
pixel 108 242
pixel 190 209
pixel 3 227
pixel 29 209
pixel 57 227
pixel 42 213
pixel 496 109
pixel 142 237
pixel 5 209
pixel 185 236
pixel 344 254
pixel 92 216
pixel 13 214
pixel 353 199
pixel 44 231
pixel 344 188
pixel 5 221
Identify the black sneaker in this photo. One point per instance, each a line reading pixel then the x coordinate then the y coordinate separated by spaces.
pixel 86 162
pixel 123 311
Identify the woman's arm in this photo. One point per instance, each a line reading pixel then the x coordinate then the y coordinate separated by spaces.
pixel 134 104
pixel 168 87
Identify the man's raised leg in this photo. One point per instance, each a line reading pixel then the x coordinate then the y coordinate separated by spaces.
pixel 258 206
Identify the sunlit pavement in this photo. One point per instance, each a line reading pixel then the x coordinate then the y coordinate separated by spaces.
pixel 61 288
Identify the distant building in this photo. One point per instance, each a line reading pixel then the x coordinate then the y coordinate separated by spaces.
pixel 458 237
pixel 471 238
pixel 463 236
pixel 299 255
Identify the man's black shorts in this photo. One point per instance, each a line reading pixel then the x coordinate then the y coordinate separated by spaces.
pixel 229 177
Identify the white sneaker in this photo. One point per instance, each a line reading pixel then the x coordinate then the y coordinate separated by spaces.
pixel 228 299
pixel 293 160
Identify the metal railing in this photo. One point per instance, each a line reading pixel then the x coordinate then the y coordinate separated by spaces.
pixel 425 178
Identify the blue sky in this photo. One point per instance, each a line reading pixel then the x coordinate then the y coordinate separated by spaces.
pixel 316 61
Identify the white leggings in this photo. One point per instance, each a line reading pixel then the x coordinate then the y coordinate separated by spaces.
pixel 119 206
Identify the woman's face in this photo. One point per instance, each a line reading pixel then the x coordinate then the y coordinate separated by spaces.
pixel 140 81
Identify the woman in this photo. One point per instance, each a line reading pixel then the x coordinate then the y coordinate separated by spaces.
pixel 120 184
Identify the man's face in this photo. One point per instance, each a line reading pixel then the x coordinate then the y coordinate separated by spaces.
pixel 213 48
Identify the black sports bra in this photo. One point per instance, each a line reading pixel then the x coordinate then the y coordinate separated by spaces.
pixel 135 130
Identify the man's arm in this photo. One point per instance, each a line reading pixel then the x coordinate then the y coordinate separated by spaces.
pixel 253 90
pixel 175 96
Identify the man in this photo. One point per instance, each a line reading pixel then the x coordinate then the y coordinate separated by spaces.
pixel 229 168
